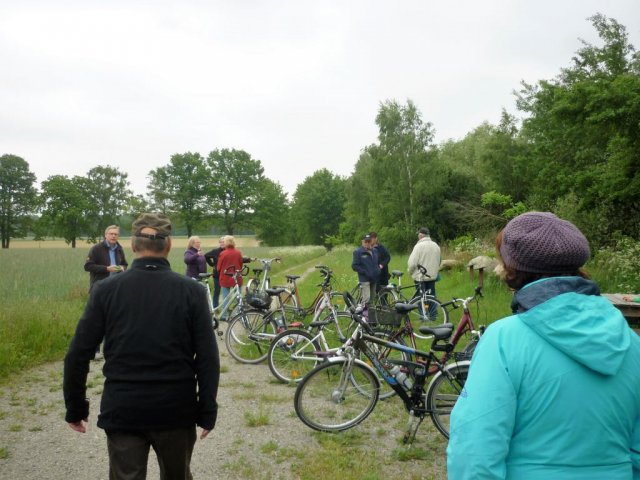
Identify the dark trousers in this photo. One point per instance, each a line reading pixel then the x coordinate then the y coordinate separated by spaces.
pixel 216 292
pixel 129 453
pixel 430 289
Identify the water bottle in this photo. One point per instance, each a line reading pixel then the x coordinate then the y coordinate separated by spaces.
pixel 401 377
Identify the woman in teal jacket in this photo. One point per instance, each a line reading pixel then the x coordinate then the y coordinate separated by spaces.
pixel 553 390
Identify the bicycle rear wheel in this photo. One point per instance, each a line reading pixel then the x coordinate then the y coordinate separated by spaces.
pixel 429 310
pixel 249 335
pixel 442 394
pixel 293 354
pixel 328 400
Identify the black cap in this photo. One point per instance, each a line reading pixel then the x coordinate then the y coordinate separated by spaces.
pixel 424 231
pixel 367 237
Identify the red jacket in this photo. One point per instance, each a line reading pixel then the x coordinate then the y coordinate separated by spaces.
pixel 229 257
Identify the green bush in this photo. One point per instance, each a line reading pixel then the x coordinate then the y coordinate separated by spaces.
pixel 617 267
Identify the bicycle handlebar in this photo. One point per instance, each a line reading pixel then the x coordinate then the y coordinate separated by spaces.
pixel 465 301
pixel 423 271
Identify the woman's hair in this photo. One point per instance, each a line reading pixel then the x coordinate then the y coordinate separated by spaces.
pixel 229 241
pixel 516 279
pixel 192 240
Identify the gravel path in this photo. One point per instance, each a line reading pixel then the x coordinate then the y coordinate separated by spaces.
pixel 35 442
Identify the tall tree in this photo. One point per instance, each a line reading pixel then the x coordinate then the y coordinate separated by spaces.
pixel 17 197
pixel 584 129
pixel 233 185
pixel 179 188
pixel 318 206
pixel 67 207
pixel 271 215
pixel 109 191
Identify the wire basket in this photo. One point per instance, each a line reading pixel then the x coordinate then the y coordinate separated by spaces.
pixel 384 316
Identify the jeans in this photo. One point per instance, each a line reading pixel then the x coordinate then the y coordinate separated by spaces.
pixel 368 290
pixel 129 452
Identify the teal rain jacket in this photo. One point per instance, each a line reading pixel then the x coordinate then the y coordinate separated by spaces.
pixel 553 391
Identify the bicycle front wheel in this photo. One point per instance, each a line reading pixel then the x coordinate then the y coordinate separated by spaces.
pixel 386 297
pixel 249 335
pixel 293 354
pixel 442 394
pixel 336 396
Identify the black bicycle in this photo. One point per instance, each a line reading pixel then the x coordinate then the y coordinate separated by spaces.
pixel 342 391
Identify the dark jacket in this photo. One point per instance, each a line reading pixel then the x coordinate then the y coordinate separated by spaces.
pixel 365 263
pixel 384 257
pixel 161 361
pixel 98 260
pixel 212 259
pixel 195 263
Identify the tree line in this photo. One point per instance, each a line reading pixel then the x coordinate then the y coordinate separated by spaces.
pixel 574 150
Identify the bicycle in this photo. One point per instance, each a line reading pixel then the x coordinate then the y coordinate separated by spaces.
pixel 342 391
pixel 251 331
pixel 231 304
pixel 296 350
pixel 262 280
pixel 401 329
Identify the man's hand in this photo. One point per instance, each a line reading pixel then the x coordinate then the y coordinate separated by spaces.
pixel 204 434
pixel 80 426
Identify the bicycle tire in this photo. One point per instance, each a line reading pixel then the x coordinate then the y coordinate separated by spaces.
pixel 293 354
pixel 386 297
pixel 322 405
pixel 345 323
pixel 443 392
pixel 467 352
pixel 429 310
pixel 249 335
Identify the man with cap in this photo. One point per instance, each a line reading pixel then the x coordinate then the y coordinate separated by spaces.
pixel 365 264
pixel 553 390
pixel 426 252
pixel 161 361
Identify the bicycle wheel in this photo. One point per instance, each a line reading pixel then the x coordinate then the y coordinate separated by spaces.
pixel 443 393
pixel 293 354
pixel 249 335
pixel 386 297
pixel 327 399
pixel 341 321
pixel 429 310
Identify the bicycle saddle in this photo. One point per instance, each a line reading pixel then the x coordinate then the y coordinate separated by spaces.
pixel 292 277
pixel 440 332
pixel 275 291
pixel 396 273
pixel 405 307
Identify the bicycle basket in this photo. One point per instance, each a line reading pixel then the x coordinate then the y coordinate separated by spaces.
pixel 258 299
pixel 385 316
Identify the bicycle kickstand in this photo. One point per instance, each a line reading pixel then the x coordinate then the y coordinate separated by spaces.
pixel 412 428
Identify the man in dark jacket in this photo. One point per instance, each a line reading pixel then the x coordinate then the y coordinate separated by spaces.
pixel 384 257
pixel 105 258
pixel 365 264
pixel 212 259
pixel 161 361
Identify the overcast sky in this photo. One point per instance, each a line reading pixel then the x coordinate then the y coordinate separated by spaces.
pixel 295 83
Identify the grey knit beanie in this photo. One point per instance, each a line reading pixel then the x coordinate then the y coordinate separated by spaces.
pixel 540 242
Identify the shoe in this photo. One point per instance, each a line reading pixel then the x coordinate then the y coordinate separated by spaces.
pixel 98 356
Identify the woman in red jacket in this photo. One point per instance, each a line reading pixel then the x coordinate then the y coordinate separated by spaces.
pixel 230 260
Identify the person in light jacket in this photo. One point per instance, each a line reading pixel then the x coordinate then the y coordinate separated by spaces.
pixel 553 391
